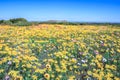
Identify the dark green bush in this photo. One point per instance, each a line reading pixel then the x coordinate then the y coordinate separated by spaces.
pixel 1 21
pixel 20 23
pixel 17 20
pixel 6 22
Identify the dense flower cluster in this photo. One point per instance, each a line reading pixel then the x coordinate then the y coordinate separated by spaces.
pixel 60 52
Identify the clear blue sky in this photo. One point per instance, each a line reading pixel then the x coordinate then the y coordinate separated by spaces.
pixel 71 10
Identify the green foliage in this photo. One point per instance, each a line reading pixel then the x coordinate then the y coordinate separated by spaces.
pixel 20 23
pixel 6 22
pixel 17 20
pixel 1 21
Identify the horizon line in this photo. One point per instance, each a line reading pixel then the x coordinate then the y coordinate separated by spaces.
pixel 62 20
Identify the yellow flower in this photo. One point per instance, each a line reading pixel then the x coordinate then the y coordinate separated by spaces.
pixel 28 65
pixel 70 68
pixel 73 60
pixel 107 66
pixel 40 70
pixel 18 78
pixel 64 69
pixel 58 69
pixel 13 73
pixel 75 66
pixel 109 75
pixel 113 67
pixel 44 60
pixel 99 65
pixel 89 72
pixel 47 76
pixel 34 67
pixel 118 50
pixel 101 73
pixel 48 66
pixel 52 76
pixel 95 75
pixel 115 78
pixel 34 77
pixel 99 57
pixel 71 78
pixel 57 78
pixel 60 76
pixel 50 60
pixel 115 61
pixel 1 70
pixel 84 65
pixel 109 78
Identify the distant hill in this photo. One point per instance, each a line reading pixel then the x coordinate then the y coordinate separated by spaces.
pixel 25 22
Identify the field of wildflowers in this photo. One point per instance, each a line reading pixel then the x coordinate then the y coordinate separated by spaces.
pixel 59 52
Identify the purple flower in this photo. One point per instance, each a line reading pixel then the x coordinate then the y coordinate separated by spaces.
pixel 0 58
pixel 80 53
pixel 102 44
pixel 7 77
pixel 96 52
